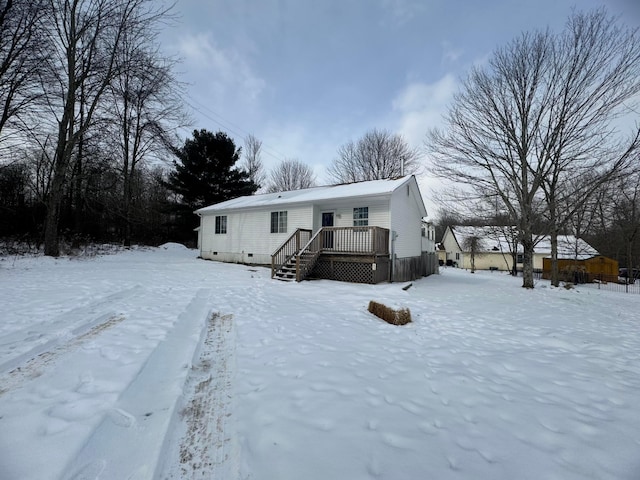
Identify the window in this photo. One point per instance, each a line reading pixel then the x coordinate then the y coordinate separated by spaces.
pixel 519 258
pixel 361 217
pixel 457 256
pixel 221 224
pixel 278 222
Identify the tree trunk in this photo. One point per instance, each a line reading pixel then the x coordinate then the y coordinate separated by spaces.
pixel 527 260
pixel 61 163
pixel 51 241
pixel 555 274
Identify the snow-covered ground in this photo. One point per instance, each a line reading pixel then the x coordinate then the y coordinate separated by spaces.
pixel 154 364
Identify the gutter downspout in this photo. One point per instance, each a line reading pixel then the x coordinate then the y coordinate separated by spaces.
pixel 393 235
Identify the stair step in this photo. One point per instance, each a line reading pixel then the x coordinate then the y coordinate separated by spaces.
pixel 284 279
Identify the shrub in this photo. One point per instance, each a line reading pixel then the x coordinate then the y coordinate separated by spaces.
pixel 389 315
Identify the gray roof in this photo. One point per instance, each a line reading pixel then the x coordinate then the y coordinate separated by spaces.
pixel 311 195
pixel 496 239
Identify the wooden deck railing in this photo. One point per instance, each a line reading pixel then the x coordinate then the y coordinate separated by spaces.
pixel 366 240
pixel 306 249
pixel 289 248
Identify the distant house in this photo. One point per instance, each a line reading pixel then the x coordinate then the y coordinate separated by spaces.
pixel 363 232
pixel 496 248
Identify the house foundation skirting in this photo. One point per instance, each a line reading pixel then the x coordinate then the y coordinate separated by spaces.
pixel 352 268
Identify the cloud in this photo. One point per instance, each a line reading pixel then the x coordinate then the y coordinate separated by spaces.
pixel 292 140
pixel 420 107
pixel 223 73
pixel 403 11
pixel 450 53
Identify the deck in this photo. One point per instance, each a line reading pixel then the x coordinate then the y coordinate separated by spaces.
pixel 353 254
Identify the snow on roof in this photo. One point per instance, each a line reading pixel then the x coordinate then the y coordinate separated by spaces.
pixel 497 239
pixel 491 238
pixel 568 247
pixel 315 194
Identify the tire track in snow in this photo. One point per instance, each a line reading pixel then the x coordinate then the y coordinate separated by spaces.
pixel 62 328
pixel 33 363
pixel 129 441
pixel 203 444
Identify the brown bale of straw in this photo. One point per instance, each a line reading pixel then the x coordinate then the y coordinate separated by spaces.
pixel 389 315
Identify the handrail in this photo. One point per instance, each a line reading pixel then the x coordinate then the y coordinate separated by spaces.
pixel 356 240
pixel 287 250
pixel 366 239
pixel 302 270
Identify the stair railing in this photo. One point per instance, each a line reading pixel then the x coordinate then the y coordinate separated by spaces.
pixel 290 247
pixel 308 255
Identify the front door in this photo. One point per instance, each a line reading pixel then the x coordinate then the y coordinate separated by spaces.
pixel 327 236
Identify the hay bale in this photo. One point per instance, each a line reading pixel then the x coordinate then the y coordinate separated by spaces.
pixel 389 315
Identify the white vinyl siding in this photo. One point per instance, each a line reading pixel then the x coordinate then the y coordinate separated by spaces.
pixel 406 221
pixel 249 233
pixel 378 211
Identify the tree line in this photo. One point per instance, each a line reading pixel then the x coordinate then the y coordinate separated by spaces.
pixel 87 98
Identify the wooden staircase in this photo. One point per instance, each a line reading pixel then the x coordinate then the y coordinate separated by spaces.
pixel 296 258
pixel 287 272
pixel 298 265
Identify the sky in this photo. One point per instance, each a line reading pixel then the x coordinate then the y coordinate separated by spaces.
pixel 305 77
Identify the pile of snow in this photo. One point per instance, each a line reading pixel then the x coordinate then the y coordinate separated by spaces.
pixel 154 364
pixel 173 247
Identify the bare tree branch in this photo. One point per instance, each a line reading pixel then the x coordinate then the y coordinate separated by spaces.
pixel 379 154
pixel 290 175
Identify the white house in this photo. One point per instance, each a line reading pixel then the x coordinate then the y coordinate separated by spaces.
pixel 495 244
pixel 343 232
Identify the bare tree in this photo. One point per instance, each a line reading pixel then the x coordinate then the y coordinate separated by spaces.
pixel 252 161
pixel 377 155
pixel 86 37
pixel 472 244
pixel 596 72
pixel 290 175
pixel 625 217
pixel 539 109
pixel 20 60
pixel 145 107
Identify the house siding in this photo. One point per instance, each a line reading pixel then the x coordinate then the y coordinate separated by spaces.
pixel 406 222
pixel 343 212
pixel 249 238
pixel 488 261
pixel 451 248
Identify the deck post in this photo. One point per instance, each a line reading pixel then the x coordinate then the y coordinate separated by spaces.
pixel 374 238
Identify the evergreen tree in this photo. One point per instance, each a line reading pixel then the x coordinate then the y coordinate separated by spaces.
pixel 205 173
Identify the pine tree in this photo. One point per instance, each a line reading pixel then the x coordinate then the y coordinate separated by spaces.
pixel 205 173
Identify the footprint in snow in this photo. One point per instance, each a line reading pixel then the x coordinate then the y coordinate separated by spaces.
pixel 121 418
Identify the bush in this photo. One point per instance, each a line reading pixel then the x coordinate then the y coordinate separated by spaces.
pixel 389 315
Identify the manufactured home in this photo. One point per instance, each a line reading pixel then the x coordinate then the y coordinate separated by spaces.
pixel 366 232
